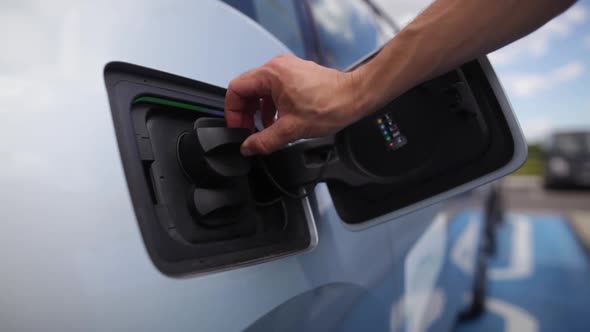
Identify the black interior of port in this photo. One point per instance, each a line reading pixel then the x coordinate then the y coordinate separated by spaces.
pixel 456 133
pixel 242 219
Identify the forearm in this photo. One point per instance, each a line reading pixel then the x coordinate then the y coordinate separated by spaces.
pixel 314 101
pixel 446 35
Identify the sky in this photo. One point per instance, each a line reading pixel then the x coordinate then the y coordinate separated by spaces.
pixel 546 75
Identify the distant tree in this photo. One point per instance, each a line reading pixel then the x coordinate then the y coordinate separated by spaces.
pixel 535 151
pixel 534 164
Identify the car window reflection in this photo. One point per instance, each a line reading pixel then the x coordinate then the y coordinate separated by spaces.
pixel 347 31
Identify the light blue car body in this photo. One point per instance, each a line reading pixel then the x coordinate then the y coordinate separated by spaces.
pixel 72 255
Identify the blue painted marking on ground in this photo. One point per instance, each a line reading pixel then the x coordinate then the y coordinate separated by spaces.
pixel 556 295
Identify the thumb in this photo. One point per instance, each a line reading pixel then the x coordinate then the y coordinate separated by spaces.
pixel 270 139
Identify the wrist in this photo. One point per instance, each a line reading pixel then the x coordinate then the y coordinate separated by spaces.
pixel 362 98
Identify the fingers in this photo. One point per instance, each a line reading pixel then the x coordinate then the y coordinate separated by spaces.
pixel 239 111
pixel 269 140
pixel 243 95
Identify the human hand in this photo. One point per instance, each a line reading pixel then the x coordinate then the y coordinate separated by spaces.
pixel 311 101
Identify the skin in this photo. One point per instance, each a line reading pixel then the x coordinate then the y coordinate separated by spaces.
pixel 314 101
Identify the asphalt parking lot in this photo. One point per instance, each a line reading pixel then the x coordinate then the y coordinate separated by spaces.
pixel 526 193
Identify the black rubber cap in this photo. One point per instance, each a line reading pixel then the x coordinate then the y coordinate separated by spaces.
pixel 213 150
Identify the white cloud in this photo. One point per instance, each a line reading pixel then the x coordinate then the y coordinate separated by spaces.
pixel 529 84
pixel 405 19
pixel 537 44
pixel 537 129
pixel 334 17
pixel 403 11
pixel 577 14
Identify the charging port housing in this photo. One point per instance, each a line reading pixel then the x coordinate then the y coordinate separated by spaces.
pixel 152 111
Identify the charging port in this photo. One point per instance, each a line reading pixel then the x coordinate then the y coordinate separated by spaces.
pixel 200 205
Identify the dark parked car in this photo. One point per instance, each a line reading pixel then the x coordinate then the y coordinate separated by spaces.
pixel 567 159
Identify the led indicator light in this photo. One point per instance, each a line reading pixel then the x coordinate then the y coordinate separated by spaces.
pixel 380 121
pixel 388 138
pixel 383 126
pixel 385 133
pixel 392 144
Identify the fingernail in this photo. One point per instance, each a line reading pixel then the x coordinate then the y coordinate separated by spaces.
pixel 247 152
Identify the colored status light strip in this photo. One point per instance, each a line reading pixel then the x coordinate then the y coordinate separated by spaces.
pixel 394 139
pixel 178 104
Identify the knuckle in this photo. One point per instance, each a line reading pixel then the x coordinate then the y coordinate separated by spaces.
pixel 272 66
pixel 266 73
pixel 232 85
pixel 272 75
pixel 315 112
pixel 290 131
pixel 263 146
pixel 267 70
pixel 284 56
pixel 276 62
